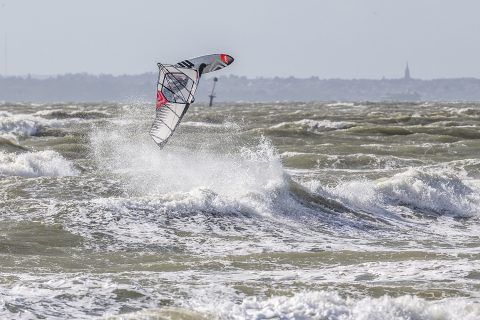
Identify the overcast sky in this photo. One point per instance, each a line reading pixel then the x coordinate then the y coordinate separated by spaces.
pixel 302 38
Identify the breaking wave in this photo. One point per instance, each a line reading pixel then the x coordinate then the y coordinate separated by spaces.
pixel 36 164
pixel 312 125
pixel 224 125
pixel 428 190
pixel 145 170
pixel 65 114
pixel 341 104
pixel 23 125
pixel 318 305
pixel 248 178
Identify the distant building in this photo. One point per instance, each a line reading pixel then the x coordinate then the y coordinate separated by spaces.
pixel 406 91
pixel 407 73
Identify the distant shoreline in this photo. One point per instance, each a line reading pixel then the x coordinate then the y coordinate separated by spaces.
pixel 127 88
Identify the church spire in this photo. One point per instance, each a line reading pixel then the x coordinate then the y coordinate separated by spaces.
pixel 407 73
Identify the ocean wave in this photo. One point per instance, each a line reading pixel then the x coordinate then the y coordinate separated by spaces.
pixel 341 104
pixel 382 130
pixel 22 125
pixel 332 306
pixel 203 191
pixel 36 164
pixel 144 170
pixel 313 125
pixel 467 111
pixel 462 132
pixel 224 125
pixel 175 181
pixel 247 221
pixel 267 213
pixel 230 196
pixel 9 142
pixel 68 114
pixel 439 191
pixel 34 296
pixel 352 162
pixel 87 295
pixel 174 222
pixel 233 178
pixel 290 154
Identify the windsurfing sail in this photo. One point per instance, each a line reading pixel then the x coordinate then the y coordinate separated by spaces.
pixel 176 87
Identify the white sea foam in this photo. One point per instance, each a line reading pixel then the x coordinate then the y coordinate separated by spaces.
pixel 176 222
pixel 73 112
pixel 36 164
pixel 472 112
pixel 23 124
pixel 87 295
pixel 290 154
pixel 50 296
pixel 15 124
pixel 224 125
pixel 365 161
pixel 238 180
pixel 330 305
pixel 314 125
pixel 174 181
pixel 341 104
pixel 442 191
pixel 147 171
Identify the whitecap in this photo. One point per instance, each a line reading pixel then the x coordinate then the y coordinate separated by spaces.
pixel 224 125
pixel 441 191
pixel 315 125
pixel 341 104
pixel 36 164
pixel 23 124
pixel 324 304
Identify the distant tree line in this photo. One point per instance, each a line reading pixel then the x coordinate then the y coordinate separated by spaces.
pixel 130 88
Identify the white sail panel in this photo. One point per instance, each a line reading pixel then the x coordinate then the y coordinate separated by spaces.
pixel 175 90
pixel 166 121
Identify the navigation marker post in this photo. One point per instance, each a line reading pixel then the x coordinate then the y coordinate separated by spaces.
pixel 212 95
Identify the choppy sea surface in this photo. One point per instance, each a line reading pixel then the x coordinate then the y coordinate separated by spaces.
pixel 252 211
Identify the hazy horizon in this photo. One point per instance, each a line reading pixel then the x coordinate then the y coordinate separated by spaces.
pixel 325 39
pixel 255 77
